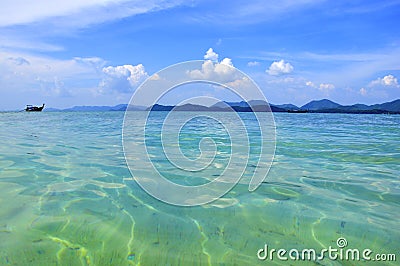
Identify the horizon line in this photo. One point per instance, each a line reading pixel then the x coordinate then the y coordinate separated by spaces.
pixel 165 104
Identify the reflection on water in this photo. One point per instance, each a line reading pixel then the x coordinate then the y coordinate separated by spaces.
pixel 67 197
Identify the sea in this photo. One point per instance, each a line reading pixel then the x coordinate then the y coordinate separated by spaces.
pixel 68 197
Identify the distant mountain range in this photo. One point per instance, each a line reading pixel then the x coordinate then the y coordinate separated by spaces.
pixel 119 107
pixel 327 106
pixel 320 106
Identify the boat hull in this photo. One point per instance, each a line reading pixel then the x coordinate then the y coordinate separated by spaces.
pixel 34 108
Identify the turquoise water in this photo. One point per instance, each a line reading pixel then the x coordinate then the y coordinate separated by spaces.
pixel 68 198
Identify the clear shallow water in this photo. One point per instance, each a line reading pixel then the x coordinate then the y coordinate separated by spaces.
pixel 67 196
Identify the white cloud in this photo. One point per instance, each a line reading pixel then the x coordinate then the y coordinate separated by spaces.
pixel 95 62
pixel 26 24
pixel 310 84
pixel 20 41
pixel 363 91
pixel 354 68
pixel 288 80
pixel 326 86
pixel 122 78
pixel 389 81
pixel 78 13
pixel 27 78
pixel 155 77
pixel 223 71
pixel 63 82
pixel 53 87
pixel 211 55
pixel 253 63
pixel 279 68
pixel 243 83
pixel 21 69
pixel 227 61
pixel 249 12
pixel 20 11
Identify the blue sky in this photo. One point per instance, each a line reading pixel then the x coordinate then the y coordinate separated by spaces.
pixel 96 52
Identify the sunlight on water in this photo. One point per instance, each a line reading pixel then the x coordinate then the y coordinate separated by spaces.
pixel 67 196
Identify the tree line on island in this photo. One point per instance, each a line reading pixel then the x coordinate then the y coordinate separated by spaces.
pixel 317 106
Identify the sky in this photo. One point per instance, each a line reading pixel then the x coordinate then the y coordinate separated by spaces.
pixel 97 52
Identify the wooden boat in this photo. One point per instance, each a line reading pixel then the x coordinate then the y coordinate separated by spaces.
pixel 30 108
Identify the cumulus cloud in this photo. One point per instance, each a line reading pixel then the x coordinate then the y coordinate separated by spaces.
pixel 223 71
pixel 310 84
pixel 326 86
pixel 122 78
pixel 253 63
pixel 388 80
pixel 363 91
pixel 211 55
pixel 279 68
pixel 227 61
